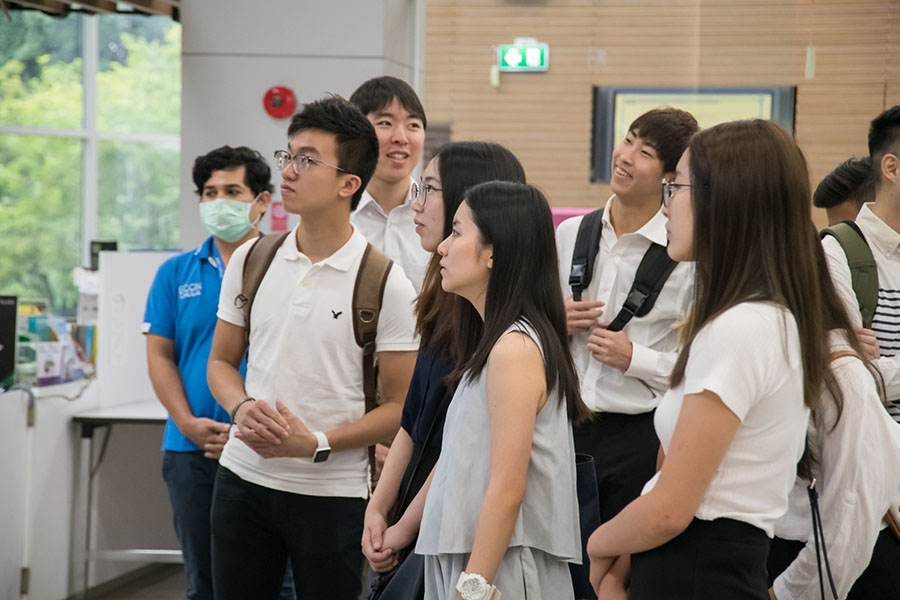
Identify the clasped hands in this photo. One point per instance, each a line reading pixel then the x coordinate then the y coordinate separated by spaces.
pixel 611 348
pixel 273 432
pixel 382 544
pixel 208 434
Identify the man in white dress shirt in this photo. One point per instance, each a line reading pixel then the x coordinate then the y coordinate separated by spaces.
pixel 879 223
pixel 385 214
pixel 624 373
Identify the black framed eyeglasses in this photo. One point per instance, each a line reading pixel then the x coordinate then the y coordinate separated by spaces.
pixel 420 192
pixel 669 188
pixel 300 162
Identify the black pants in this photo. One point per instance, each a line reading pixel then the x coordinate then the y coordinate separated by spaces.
pixel 256 529
pixel 710 559
pixel 881 579
pixel 190 478
pixel 624 448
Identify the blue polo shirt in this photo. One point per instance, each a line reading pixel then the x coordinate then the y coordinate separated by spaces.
pixel 182 306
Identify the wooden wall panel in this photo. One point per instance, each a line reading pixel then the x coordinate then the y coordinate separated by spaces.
pixel 892 60
pixel 546 118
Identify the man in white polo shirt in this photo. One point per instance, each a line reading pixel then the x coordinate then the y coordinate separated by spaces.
pixel 385 214
pixel 879 223
pixel 624 373
pixel 293 480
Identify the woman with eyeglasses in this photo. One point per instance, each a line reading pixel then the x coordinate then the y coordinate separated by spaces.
pixel 499 514
pixel 754 360
pixel 455 168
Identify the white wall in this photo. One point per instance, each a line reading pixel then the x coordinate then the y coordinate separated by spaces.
pixel 13 472
pixel 39 471
pixel 234 51
pixel 38 474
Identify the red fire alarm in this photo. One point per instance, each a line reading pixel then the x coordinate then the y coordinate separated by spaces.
pixel 279 216
pixel 279 102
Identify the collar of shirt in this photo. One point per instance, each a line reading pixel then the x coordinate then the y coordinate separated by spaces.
pixel 206 249
pixel 882 235
pixel 208 252
pixel 368 203
pixel 341 259
pixel 654 229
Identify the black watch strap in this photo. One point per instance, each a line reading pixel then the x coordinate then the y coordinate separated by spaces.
pixel 240 404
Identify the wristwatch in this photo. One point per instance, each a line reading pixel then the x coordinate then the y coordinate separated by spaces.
pixel 322 452
pixel 472 586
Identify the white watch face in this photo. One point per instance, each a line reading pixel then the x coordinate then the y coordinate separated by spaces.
pixel 473 589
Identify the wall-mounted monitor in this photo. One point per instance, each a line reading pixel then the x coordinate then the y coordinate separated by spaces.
pixel 616 107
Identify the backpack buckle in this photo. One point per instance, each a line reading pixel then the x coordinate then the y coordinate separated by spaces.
pixel 577 280
pixel 576 277
pixel 634 301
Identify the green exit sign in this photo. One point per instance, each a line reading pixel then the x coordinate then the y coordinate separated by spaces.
pixel 523 57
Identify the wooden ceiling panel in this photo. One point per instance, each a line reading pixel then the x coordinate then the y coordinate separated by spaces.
pixel 168 8
pixel 52 7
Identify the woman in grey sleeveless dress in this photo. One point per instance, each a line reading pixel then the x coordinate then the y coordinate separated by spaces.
pixel 501 511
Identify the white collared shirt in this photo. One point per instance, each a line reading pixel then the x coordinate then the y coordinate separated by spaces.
pixel 857 474
pixel 654 338
pixel 303 352
pixel 885 245
pixel 394 234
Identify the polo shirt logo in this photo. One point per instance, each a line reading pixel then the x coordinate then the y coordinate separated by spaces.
pixel 336 314
pixel 189 290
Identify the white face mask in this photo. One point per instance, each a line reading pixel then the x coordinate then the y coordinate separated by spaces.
pixel 227 219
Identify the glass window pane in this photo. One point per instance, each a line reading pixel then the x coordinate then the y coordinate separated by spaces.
pixel 139 82
pixel 40 218
pixel 138 195
pixel 40 70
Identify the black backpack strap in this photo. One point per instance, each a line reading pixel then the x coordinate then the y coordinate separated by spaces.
pixel 863 270
pixel 651 276
pixel 256 263
pixel 587 244
pixel 368 294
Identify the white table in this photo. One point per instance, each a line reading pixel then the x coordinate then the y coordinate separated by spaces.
pixel 148 412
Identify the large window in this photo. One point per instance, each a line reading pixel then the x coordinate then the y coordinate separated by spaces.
pixel 89 144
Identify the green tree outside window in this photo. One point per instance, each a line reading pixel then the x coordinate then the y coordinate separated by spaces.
pixel 138 93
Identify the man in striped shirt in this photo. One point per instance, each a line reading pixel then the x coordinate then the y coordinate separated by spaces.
pixel 880 224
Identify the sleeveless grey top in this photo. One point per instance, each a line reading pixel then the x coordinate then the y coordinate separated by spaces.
pixel 548 517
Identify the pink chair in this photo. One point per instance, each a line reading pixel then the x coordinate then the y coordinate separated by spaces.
pixel 561 214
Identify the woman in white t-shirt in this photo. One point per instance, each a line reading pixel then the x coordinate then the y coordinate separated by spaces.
pixel 754 360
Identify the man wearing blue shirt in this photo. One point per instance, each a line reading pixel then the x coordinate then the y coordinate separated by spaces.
pixel 234 186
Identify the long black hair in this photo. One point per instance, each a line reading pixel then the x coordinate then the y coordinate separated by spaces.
pixel 523 284
pixel 461 165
